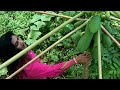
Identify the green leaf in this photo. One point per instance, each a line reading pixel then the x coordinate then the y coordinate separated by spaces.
pixel 30 35
pixel 35 18
pixel 115 65
pixel 112 67
pixel 33 27
pixel 58 18
pixel 114 51
pixel 30 41
pixel 36 34
pixel 70 26
pixel 3 71
pixel 45 17
pixel 39 24
pixel 104 58
pixel 111 48
pixel 110 72
pixel 116 61
pixel 66 44
pixel 116 55
pixel 54 57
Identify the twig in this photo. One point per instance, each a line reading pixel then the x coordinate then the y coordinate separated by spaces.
pixel 99 57
pixel 110 35
pixel 64 16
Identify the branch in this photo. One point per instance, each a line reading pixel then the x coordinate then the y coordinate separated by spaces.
pixel 63 16
pixel 114 40
pixel 53 45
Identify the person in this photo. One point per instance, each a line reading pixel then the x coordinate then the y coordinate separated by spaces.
pixel 11 44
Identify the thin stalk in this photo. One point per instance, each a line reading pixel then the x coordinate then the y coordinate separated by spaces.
pixel 99 57
pixel 114 40
pixel 114 18
pixel 113 14
pixel 63 16
pixel 53 45
pixel 11 60
pixel 117 13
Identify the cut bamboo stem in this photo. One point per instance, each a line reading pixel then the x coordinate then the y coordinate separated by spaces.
pixel 14 58
pixel 99 57
pixel 114 18
pixel 112 13
pixel 110 36
pixel 63 16
pixel 53 45
pixel 117 13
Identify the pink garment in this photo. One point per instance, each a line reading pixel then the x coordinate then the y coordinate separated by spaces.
pixel 38 70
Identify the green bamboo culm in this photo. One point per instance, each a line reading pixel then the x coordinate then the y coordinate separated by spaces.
pixel 117 14
pixel 53 45
pixel 99 56
pixel 11 60
pixel 113 14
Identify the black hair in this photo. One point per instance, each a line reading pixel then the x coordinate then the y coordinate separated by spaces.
pixel 8 50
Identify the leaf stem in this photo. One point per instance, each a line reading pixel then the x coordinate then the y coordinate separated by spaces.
pixel 114 40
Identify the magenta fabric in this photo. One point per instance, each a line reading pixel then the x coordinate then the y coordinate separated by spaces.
pixel 39 70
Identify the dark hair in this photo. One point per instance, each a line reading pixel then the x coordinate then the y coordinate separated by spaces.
pixel 8 50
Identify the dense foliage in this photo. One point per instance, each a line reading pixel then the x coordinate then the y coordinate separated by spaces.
pixel 31 26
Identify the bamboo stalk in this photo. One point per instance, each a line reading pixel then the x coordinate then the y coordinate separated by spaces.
pixel 99 57
pixel 11 60
pixel 114 18
pixel 117 13
pixel 68 17
pixel 63 16
pixel 53 45
pixel 112 13
pixel 110 35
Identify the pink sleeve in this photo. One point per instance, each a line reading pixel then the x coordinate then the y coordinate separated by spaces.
pixel 38 70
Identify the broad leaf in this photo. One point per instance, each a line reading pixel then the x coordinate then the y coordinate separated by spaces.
pixel 30 41
pixel 39 24
pixel 33 27
pixel 4 71
pixel 45 17
pixel 35 18
pixel 36 34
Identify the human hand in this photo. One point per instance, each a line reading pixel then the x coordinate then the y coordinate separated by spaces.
pixel 83 58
